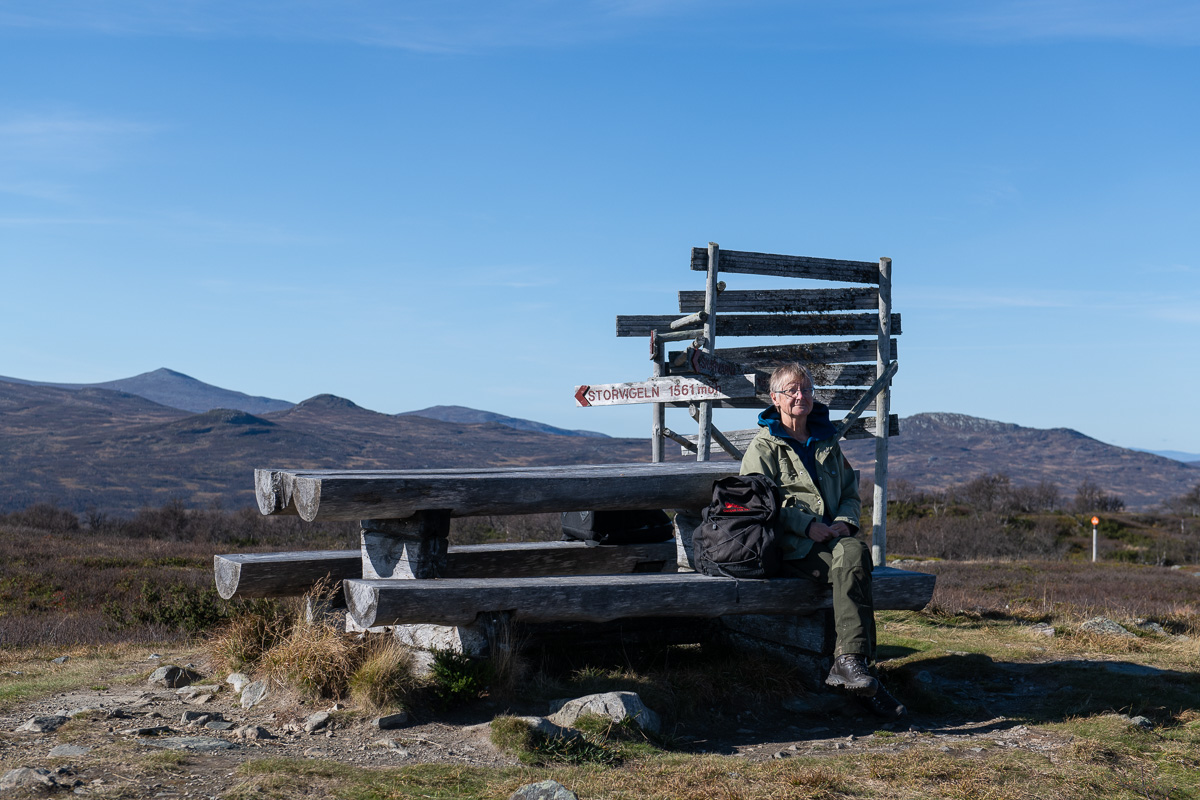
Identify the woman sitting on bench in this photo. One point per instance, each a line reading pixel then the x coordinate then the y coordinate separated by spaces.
pixel 797 448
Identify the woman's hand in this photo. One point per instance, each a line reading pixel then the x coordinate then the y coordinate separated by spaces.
pixel 820 532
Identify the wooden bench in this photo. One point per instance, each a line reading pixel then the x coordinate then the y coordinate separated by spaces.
pixel 406 575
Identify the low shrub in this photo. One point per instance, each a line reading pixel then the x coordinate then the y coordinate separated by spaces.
pixel 459 679
pixel 176 606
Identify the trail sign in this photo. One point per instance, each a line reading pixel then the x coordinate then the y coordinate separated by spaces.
pixel 665 390
pixel 704 363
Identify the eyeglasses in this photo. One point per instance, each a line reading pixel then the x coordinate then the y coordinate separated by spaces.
pixel 806 391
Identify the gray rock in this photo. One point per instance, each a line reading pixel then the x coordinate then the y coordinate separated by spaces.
pixel 219 725
pixel 68 750
pixel 1141 722
pixel 199 688
pixel 1105 627
pixel 617 706
pixel 391 721
pixel 316 722
pixel 170 676
pixel 393 746
pixel 1152 627
pixel 546 790
pixel 253 694
pixel 156 730
pixel 43 724
pixel 197 699
pixel 237 680
pixel 253 732
pixel 199 744
pixel 61 660
pixel 25 778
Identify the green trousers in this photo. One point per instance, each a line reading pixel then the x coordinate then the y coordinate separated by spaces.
pixel 843 564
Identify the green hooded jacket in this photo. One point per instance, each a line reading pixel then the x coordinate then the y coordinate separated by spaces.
pixel 832 497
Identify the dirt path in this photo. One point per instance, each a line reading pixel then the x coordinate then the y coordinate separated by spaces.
pixel 127 739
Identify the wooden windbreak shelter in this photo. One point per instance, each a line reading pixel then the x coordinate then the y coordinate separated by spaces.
pixel 851 373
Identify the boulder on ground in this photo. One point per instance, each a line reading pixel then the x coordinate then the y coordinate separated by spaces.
pixel 1105 627
pixel 170 676
pixel 254 693
pixel 43 724
pixel 26 778
pixel 617 706
pixel 546 790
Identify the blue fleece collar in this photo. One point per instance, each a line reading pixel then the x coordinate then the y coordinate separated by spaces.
pixel 819 426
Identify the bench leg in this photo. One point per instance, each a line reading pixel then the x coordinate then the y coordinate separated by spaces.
pixel 414 547
pixel 803 640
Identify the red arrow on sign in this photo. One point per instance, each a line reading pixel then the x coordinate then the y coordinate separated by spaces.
pixel 581 395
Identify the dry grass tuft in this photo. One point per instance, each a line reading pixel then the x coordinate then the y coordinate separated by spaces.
pixel 241 644
pixel 385 678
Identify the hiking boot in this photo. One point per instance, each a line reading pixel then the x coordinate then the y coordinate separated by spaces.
pixel 882 704
pixel 850 672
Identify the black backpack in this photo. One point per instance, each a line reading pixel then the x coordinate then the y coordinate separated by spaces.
pixel 737 537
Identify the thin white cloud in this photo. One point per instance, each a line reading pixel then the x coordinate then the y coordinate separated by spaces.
pixel 420 25
pixel 66 138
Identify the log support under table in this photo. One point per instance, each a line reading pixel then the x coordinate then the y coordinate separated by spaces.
pixel 414 547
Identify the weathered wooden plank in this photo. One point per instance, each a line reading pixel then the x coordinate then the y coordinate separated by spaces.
pixel 863 428
pixel 282 574
pixel 512 490
pixel 836 399
pixel 713 264
pixel 602 598
pixel 811 354
pixel 778 301
pixel 765 324
pixel 280 482
pixel 823 374
pixel 829 269
pixel 884 404
pixel 660 390
pixel 291 574
pixel 532 559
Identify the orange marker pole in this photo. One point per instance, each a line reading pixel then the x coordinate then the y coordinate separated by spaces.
pixel 1095 522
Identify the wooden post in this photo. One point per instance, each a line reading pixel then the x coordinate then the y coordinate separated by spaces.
pixel 658 416
pixel 413 547
pixel 883 407
pixel 704 440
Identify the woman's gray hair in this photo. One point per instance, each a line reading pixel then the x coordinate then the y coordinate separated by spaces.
pixel 786 373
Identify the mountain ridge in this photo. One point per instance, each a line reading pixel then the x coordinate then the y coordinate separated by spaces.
pixel 118 451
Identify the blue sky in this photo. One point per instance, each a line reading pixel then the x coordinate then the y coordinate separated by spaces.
pixel 419 203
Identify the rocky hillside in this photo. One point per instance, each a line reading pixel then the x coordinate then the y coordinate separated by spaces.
pixel 116 451
pixel 935 451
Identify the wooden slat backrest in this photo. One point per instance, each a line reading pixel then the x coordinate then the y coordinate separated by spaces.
pixel 836 366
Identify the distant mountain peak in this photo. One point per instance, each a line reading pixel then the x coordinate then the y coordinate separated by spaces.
pixel 176 390
pixel 327 401
pixel 473 416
